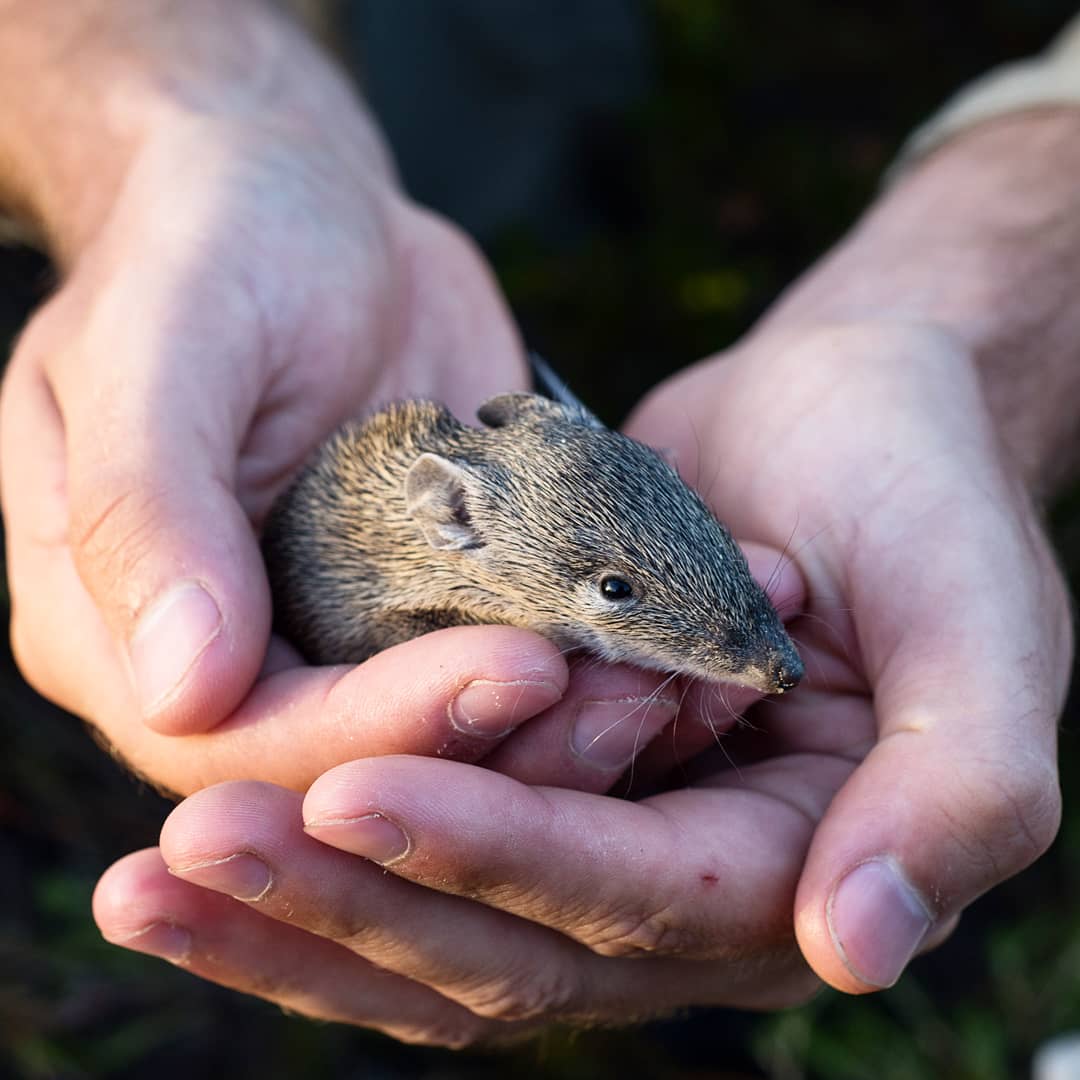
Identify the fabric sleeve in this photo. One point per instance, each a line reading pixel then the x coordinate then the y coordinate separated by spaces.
pixel 1050 79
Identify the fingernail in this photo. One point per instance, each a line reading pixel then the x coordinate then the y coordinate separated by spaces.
pixel 608 734
pixel 877 921
pixel 164 939
pixel 372 836
pixel 171 635
pixel 242 876
pixel 490 709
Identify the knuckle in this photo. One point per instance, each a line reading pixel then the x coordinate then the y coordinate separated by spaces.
pixel 654 933
pixel 112 530
pixel 511 997
pixel 1014 811
pixel 1030 813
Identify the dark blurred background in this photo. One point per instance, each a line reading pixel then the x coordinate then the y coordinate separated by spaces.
pixel 646 178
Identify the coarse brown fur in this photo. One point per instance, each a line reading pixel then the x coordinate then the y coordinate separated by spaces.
pixel 410 521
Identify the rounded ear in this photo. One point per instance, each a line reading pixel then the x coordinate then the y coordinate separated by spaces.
pixel 522 408
pixel 437 498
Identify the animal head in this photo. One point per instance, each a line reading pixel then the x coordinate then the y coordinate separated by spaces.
pixel 597 542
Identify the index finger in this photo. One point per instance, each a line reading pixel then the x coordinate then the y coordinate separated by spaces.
pixel 453 692
pixel 684 874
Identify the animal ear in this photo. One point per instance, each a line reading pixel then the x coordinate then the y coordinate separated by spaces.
pixel 521 408
pixel 437 499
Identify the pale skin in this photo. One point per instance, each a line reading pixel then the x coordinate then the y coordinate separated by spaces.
pixel 908 397
pixel 172 396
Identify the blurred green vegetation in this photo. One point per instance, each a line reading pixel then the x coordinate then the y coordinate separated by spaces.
pixel 766 131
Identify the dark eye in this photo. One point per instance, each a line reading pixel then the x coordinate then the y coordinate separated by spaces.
pixel 614 588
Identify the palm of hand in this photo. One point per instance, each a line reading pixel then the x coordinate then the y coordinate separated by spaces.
pixel 893 755
pixel 169 397
pixel 935 614
pixel 936 636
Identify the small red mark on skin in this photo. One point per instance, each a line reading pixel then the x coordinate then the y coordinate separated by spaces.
pixel 710 879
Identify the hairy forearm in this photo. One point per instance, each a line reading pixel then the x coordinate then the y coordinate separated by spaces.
pixel 86 82
pixel 983 240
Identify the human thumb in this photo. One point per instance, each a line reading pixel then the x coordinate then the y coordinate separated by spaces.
pixel 960 790
pixel 161 542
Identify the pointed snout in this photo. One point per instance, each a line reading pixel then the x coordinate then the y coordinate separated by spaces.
pixel 778 671
pixel 787 671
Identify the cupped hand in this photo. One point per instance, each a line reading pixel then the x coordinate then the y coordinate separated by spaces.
pixel 937 636
pixel 913 770
pixel 507 906
pixel 253 284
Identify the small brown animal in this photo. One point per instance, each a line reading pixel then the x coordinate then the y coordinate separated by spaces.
pixel 411 521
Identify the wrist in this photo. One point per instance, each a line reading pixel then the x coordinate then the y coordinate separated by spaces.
pixel 982 242
pixel 109 78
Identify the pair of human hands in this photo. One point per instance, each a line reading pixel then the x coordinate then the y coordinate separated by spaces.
pixel 244 295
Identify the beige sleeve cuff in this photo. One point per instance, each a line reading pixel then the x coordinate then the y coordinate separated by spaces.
pixel 1050 79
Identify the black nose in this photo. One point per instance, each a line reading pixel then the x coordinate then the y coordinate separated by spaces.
pixel 788 673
